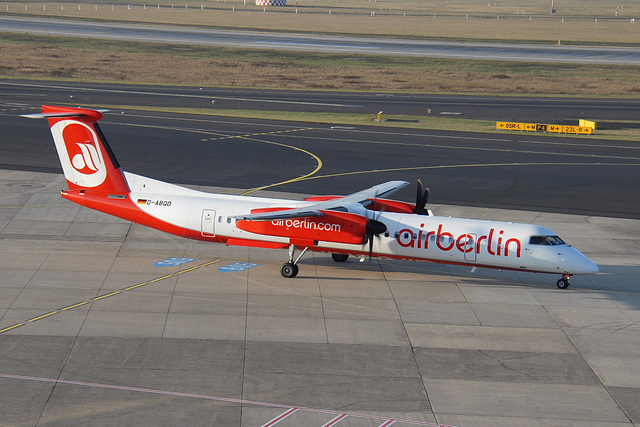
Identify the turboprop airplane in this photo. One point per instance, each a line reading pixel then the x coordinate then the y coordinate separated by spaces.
pixel 361 224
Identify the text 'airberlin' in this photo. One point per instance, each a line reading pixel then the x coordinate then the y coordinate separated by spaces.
pixel 494 242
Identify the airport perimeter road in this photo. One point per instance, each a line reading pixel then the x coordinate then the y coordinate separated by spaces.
pixel 511 170
pixel 103 323
pixel 370 46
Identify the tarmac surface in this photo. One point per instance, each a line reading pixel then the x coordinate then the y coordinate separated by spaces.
pixel 92 333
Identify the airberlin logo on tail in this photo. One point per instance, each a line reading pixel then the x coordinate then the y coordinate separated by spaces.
pixel 79 152
pixel 88 158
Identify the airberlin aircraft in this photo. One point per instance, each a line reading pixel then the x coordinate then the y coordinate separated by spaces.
pixel 361 224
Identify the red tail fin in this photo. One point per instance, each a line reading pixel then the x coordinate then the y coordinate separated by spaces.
pixel 87 159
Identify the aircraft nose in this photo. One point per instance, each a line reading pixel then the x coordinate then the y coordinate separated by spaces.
pixel 590 267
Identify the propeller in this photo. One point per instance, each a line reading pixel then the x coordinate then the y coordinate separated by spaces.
pixel 373 227
pixel 422 195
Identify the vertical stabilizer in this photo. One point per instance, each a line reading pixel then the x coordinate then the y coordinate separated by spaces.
pixel 85 155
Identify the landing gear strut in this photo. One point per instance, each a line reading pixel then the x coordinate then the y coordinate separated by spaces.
pixel 564 282
pixel 290 269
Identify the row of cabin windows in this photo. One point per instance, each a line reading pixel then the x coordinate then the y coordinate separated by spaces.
pixel 229 219
pixel 432 237
pixel 533 240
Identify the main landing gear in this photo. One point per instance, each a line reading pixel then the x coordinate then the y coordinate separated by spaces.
pixel 339 257
pixel 564 282
pixel 290 269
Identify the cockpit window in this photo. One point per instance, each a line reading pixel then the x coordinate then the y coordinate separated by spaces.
pixel 555 240
pixel 546 240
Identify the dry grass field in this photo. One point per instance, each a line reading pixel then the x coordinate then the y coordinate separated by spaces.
pixel 96 60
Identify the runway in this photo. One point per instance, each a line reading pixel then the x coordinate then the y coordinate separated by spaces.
pixel 103 322
pixel 368 46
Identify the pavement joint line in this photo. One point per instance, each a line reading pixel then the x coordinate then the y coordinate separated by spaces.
pixel 338 415
pixel 72 306
pixel 188 270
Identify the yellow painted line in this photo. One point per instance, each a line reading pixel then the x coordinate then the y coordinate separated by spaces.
pixel 209 263
pixel 105 296
pixel 74 306
pixel 188 269
pixel 43 316
pixel 309 175
pixel 161 278
pixel 135 286
pixel 11 327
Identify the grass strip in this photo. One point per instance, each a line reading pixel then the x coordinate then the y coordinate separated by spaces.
pixel 75 59
pixel 623 130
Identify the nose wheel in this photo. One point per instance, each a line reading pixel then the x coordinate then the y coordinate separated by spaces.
pixel 290 269
pixel 564 282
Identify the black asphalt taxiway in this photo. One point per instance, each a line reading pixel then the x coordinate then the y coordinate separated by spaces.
pixel 508 170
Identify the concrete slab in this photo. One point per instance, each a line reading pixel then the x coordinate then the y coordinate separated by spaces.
pixel 488 338
pixel 374 332
pixel 370 342
pixel 438 313
pixel 541 401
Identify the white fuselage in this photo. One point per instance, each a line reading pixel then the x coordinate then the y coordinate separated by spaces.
pixel 481 243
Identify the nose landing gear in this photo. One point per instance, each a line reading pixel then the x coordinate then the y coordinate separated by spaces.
pixel 290 269
pixel 564 282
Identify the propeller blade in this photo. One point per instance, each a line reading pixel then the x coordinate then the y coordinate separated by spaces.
pixel 419 193
pixel 370 248
pixel 373 228
pixel 422 196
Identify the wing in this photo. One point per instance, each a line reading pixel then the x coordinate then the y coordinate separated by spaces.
pixel 341 204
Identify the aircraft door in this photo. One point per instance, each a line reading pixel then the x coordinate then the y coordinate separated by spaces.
pixel 468 245
pixel 208 223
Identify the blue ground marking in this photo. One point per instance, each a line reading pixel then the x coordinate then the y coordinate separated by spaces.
pixel 172 262
pixel 237 266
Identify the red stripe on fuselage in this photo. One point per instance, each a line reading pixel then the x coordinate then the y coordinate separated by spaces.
pixel 126 209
